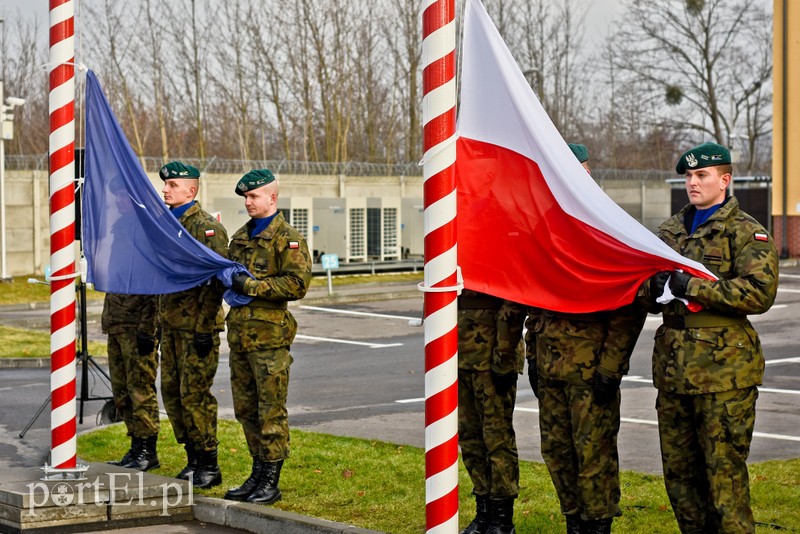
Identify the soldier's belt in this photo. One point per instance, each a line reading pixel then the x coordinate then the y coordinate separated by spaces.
pixel 479 303
pixel 268 304
pixel 702 320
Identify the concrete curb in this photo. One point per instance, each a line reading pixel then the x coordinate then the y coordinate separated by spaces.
pixel 262 519
pixel 34 363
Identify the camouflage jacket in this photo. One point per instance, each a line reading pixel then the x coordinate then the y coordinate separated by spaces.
pixel 736 248
pixel 573 347
pixel 279 260
pixel 198 309
pixel 489 333
pixel 125 312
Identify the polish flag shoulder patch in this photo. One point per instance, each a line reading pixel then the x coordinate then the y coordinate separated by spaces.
pixel 761 236
pixel 209 233
pixel 294 244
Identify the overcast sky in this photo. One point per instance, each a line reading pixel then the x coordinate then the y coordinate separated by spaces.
pixel 598 20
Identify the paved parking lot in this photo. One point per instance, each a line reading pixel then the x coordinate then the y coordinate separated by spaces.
pixel 359 371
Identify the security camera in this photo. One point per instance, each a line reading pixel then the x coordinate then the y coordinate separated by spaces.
pixel 15 101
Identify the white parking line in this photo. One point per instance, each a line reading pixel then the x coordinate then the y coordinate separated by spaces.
pixel 349 342
pixel 640 380
pixel 351 312
pixel 783 360
pixel 655 423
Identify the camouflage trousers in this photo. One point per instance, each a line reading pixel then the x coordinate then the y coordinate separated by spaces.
pixel 579 446
pixel 486 435
pixel 133 384
pixel 186 381
pixel 705 441
pixel 260 385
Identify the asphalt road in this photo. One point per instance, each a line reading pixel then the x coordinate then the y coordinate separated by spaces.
pixel 359 371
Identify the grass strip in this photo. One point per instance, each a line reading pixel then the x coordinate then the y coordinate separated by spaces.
pixel 381 486
pixel 25 343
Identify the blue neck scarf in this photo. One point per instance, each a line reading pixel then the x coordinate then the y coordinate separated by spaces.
pixel 180 210
pixel 256 226
pixel 702 216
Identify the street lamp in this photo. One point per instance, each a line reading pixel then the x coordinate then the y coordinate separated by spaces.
pixel 6 134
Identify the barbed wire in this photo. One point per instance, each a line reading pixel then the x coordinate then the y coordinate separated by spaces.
pixel 321 168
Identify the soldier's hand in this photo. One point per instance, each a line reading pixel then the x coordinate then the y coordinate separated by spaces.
pixel 533 378
pixel 238 281
pixel 604 388
pixel 678 283
pixel 504 382
pixel 203 343
pixel 145 344
pixel 657 283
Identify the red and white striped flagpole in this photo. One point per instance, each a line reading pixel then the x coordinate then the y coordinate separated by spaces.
pixel 63 453
pixel 440 285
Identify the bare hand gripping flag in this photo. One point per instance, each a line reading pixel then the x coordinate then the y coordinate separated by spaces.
pixel 533 226
pixel 132 243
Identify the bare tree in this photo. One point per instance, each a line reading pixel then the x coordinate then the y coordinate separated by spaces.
pixel 108 23
pixel 22 58
pixel 708 60
pixel 152 42
pixel 269 62
pixel 546 38
pixel 405 44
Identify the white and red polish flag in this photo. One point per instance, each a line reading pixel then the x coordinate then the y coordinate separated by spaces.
pixel 533 226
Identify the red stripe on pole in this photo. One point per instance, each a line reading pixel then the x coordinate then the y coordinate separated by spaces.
pixel 439 72
pixel 443 456
pixel 438 514
pixel 440 349
pixel 441 404
pixel 62 395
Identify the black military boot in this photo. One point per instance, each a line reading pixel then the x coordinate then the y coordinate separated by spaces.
pixel 146 457
pixel 127 457
pixel 574 524
pixel 597 526
pixel 207 473
pixel 241 493
pixel 481 521
pixel 191 462
pixel 267 491
pixel 502 516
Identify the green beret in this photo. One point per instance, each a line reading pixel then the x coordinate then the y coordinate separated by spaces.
pixel 580 151
pixel 705 155
pixel 253 180
pixel 176 169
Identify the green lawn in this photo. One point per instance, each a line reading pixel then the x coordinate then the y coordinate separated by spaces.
pixel 25 343
pixel 381 486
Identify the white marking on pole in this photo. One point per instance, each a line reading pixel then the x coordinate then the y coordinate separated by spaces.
pixel 441 431
pixel 442 483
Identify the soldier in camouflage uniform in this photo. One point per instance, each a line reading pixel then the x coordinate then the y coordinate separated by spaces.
pixel 707 365
pixel 261 332
pixel 130 323
pixel 190 322
pixel 575 364
pixel 489 334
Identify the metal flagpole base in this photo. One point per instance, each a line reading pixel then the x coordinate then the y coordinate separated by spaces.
pixel 71 473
